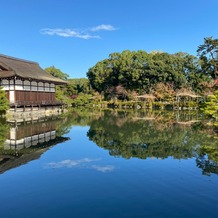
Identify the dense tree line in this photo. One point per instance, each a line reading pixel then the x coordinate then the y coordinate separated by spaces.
pixel 142 72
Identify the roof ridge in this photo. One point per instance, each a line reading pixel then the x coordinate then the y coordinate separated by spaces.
pixel 18 59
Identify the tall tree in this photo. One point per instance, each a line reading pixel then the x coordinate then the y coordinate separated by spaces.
pixel 208 53
pixel 57 73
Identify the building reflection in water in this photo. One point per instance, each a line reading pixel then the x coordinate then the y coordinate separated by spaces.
pixel 30 135
pixel 28 140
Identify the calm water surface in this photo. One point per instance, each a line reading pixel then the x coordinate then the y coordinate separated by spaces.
pixel 109 164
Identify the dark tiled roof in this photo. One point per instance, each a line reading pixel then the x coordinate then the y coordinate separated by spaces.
pixel 10 66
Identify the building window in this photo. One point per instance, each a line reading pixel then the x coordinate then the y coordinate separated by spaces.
pixel 18 85
pixel 5 84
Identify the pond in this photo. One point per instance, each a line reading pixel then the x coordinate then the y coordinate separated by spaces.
pixel 109 164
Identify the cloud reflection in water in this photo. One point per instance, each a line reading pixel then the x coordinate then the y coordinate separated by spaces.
pixel 82 163
pixel 104 169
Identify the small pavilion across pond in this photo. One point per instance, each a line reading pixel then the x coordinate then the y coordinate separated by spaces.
pixel 26 83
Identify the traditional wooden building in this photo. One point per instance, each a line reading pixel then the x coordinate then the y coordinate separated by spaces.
pixel 26 83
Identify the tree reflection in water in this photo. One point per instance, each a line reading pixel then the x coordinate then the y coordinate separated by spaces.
pixel 159 134
pixel 4 129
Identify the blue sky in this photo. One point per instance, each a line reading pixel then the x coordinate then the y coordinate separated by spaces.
pixel 73 35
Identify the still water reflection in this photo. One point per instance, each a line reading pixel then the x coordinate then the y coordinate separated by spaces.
pixel 109 164
pixel 27 140
pixel 158 135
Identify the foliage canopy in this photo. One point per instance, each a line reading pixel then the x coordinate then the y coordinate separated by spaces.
pixel 141 71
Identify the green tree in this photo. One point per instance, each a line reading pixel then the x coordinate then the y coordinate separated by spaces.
pixel 62 96
pixel 99 75
pixel 208 53
pixel 4 104
pixel 82 100
pixel 56 73
pixel 210 106
pixel 62 93
pixel 76 86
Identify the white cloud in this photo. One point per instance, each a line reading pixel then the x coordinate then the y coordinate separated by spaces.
pixel 103 27
pixel 78 33
pixel 68 33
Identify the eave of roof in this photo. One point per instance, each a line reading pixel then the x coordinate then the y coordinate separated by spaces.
pixel 25 69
